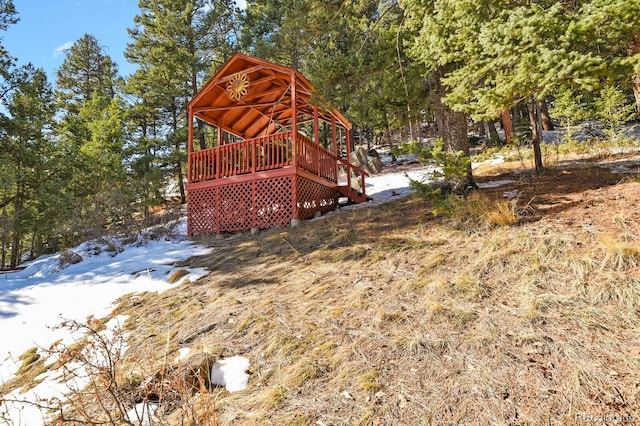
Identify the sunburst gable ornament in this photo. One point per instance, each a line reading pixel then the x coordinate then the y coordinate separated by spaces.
pixel 238 86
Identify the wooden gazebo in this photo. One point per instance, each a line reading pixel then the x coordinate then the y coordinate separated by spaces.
pixel 263 151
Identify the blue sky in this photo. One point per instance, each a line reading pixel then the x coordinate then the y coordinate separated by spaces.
pixel 47 27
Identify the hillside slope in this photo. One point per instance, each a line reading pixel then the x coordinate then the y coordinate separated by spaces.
pixel 389 316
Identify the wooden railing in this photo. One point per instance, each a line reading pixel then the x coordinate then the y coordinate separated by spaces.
pixel 247 156
pixel 315 159
pixel 351 176
pixel 261 154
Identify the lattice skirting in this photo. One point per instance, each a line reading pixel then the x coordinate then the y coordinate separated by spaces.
pixel 257 204
pixel 314 197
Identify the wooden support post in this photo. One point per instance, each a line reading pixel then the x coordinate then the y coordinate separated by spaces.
pixel 334 136
pixel 189 165
pixel 348 150
pixel 334 142
pixel 316 151
pixel 254 155
pixel 294 121
pixel 189 142
pixel 294 147
pixel 316 137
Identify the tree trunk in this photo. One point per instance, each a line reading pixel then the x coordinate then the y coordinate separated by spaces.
pixel 183 193
pixel 544 115
pixel 178 148
pixel 452 127
pixel 410 120
pixel 632 49
pixel 636 92
pixel 15 249
pixel 16 240
pixel 536 132
pixel 199 135
pixel 5 226
pixel 482 129
pixel 493 133
pixel 507 126
pixel 34 243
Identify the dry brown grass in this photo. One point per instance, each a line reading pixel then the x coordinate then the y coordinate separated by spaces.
pixel 387 316
pixel 32 365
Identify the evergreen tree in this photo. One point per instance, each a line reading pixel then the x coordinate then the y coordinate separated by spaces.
pixel 27 166
pixel 8 16
pixel 177 44
pixel 92 133
pixel 85 70
pixel 359 62
pixel 144 155
pixel 353 53
pixel 439 29
pixel 281 31
pixel 613 109
pixel 496 55
pixel 570 108
pixel 634 49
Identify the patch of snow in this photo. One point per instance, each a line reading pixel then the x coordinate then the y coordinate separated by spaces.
pixel 182 354
pixel 495 183
pixel 387 186
pixel 511 194
pixel 35 300
pixel 231 373
pixel 497 159
pixel 143 414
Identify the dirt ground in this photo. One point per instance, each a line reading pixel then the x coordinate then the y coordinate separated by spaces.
pixel 574 190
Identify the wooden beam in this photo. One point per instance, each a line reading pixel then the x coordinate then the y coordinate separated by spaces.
pixel 189 141
pixel 232 107
pixel 334 136
pixel 294 148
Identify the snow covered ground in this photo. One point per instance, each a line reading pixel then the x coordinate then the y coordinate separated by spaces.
pixel 41 296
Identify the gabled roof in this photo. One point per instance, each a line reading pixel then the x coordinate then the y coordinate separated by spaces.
pixel 247 95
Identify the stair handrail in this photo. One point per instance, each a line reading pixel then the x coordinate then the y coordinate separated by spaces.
pixel 362 172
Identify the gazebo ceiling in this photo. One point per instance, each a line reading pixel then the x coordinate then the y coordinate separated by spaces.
pixel 250 97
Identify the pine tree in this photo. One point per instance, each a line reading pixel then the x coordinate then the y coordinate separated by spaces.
pixel 92 133
pixel 353 53
pixel 499 55
pixel 281 31
pixel 8 16
pixel 27 152
pixel 177 44
pixel 613 109
pixel 360 62
pixel 439 29
pixel 85 70
pixel 144 154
